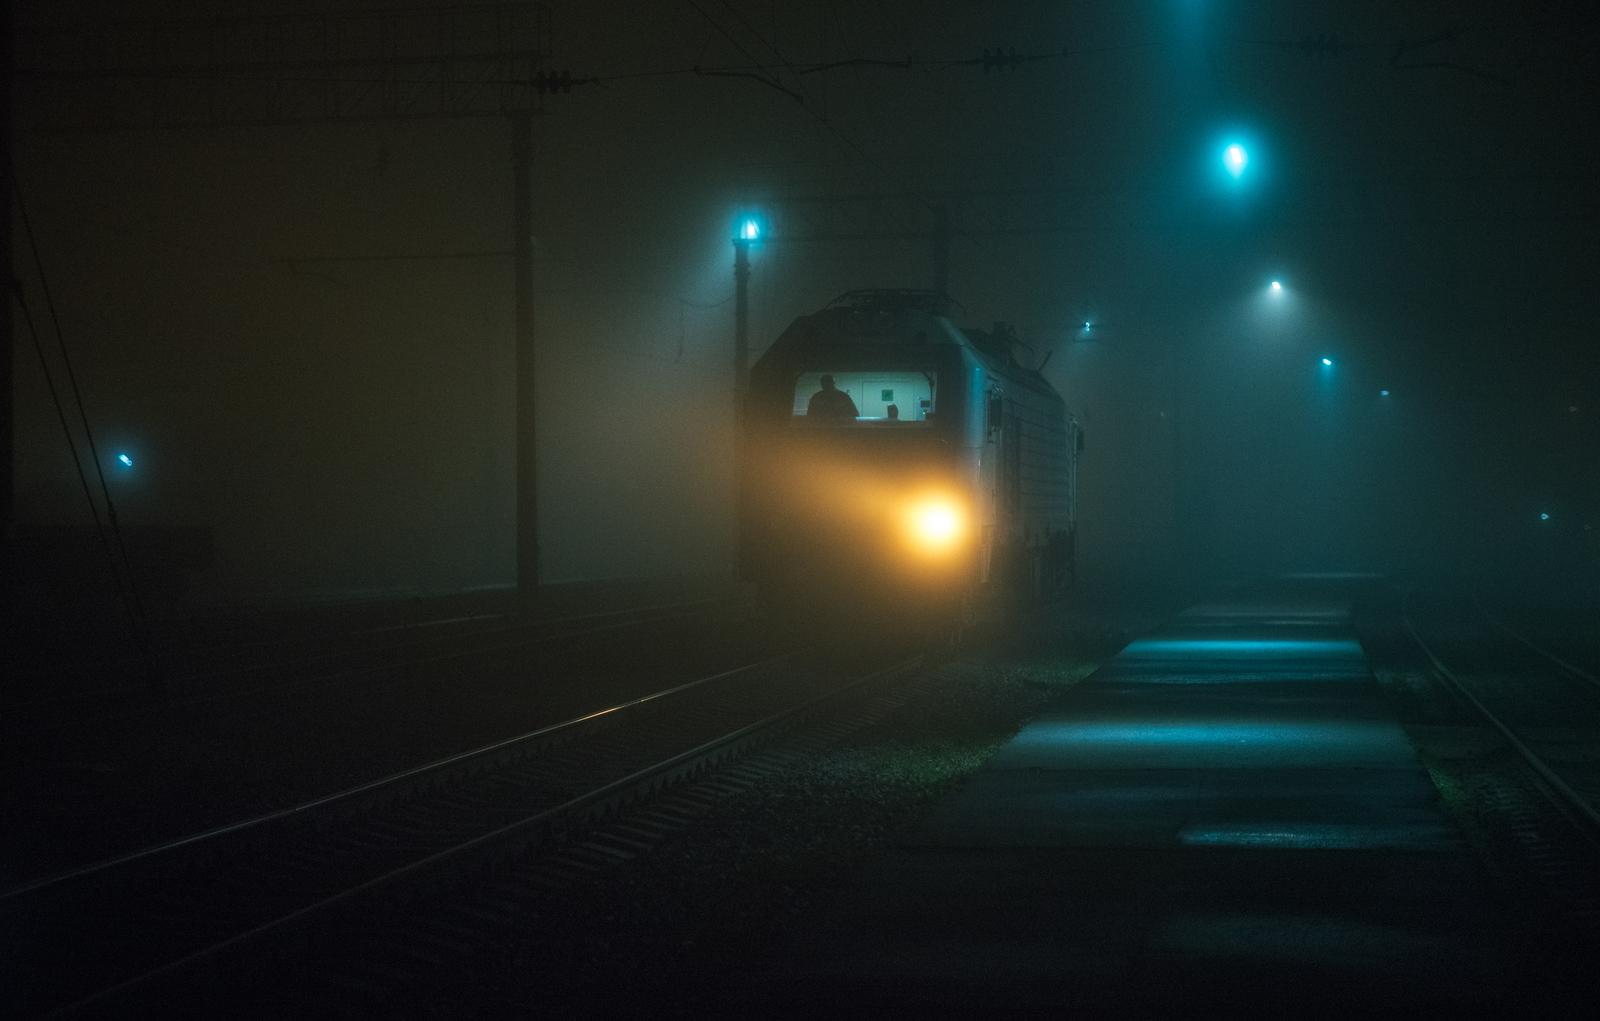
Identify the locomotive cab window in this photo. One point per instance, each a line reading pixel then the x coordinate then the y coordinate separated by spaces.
pixel 870 398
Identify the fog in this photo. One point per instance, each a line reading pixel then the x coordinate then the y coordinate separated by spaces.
pixel 303 335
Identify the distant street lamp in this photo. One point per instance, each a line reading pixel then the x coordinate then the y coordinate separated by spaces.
pixel 749 233
pixel 1235 159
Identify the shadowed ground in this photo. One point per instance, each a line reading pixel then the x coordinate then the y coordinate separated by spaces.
pixel 1226 816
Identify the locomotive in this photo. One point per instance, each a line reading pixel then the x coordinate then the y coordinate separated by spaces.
pixel 893 461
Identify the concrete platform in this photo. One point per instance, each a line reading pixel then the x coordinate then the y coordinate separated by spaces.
pixel 1226 817
pixel 1227 728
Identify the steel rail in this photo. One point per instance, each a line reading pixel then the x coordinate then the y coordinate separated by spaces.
pixel 1574 671
pixel 519 835
pixel 373 785
pixel 532 639
pixel 213 644
pixel 354 672
pixel 533 623
pixel 1574 801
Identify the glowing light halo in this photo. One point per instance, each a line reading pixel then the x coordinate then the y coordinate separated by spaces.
pixel 935 523
pixel 1235 158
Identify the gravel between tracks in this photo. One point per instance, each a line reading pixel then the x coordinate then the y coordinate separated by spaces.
pixel 727 889
pixel 166 774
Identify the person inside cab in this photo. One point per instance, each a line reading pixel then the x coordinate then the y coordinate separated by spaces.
pixel 831 402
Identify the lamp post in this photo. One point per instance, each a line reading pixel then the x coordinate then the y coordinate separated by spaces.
pixel 749 234
pixel 527 448
pixel 1235 158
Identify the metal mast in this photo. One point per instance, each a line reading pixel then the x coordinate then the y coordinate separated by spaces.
pixel 463 61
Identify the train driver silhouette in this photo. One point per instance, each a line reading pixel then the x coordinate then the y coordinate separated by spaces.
pixel 830 402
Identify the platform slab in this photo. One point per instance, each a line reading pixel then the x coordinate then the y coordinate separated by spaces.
pixel 1225 817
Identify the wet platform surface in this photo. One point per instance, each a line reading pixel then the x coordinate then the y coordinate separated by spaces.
pixel 1226 815
pixel 1225 729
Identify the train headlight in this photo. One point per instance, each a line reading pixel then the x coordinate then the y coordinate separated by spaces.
pixel 935 524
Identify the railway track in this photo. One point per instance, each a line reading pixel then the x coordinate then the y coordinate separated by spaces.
pixel 221 671
pixel 1525 769
pixel 88 940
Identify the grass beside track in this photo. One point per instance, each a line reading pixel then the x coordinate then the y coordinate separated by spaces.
pixel 728 889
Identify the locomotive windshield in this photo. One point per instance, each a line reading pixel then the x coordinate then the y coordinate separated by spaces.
pixel 865 398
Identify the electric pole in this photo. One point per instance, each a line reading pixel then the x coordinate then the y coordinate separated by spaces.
pixel 741 326
pixel 527 444
pixel 483 60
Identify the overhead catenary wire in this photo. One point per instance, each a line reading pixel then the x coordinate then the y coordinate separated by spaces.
pixel 808 107
pixel 684 304
pixel 66 430
pixel 775 52
pixel 122 573
pixel 762 76
pixel 1000 59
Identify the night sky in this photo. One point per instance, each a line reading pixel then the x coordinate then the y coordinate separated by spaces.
pixel 302 335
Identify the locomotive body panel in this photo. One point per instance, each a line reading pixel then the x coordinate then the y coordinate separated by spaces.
pixel 888 453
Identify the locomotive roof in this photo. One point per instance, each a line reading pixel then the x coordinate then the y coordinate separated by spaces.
pixel 872 318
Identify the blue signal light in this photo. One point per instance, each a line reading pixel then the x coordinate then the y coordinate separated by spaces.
pixel 126 460
pixel 1235 159
pixel 1327 361
pixel 1544 517
pixel 750 230
pixel 1383 393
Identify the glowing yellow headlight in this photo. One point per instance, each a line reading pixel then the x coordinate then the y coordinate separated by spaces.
pixel 935 524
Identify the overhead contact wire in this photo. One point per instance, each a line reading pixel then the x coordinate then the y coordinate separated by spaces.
pixel 130 597
pixel 72 445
